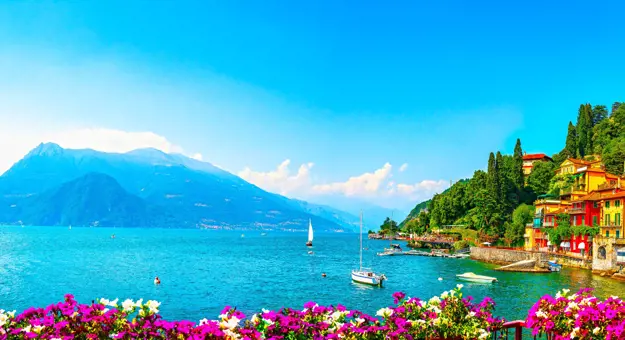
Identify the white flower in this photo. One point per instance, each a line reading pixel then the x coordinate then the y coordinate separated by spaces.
pixel 269 322
pixel 37 329
pixel 128 305
pixel 255 319
pixel 436 321
pixel 139 303
pixel 541 314
pixel 336 315
pixel 459 286
pixel 113 303
pixel 615 297
pixel 265 311
pixel 384 312
pixel 360 320
pixel 423 304
pixel 26 329
pixel 483 334
pixel 153 306
pixel 444 295
pixel 104 301
pixel 141 312
pixel 574 332
pixel 55 339
pixel 472 314
pixel 596 330
pixel 435 300
pixel 230 324
pixel 434 309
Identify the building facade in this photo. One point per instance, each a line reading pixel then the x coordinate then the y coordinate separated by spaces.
pixel 530 159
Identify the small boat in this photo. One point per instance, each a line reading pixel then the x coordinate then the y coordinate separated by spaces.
pixel 113 236
pixel 364 275
pixel 310 234
pixel 395 249
pixel 554 267
pixel 476 278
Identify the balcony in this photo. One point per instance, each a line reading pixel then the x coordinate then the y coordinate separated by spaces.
pixel 566 191
pixel 576 211
pixel 606 186
pixel 547 224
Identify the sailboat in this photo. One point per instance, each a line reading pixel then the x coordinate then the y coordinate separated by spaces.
pixel 365 275
pixel 310 234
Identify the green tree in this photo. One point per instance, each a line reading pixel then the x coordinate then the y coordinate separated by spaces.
pixel 599 113
pixel 560 182
pixel 570 149
pixel 503 183
pixel 615 106
pixel 584 130
pixel 389 227
pixel 541 176
pixel 518 178
pixel 614 156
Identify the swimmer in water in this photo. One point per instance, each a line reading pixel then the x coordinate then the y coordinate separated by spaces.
pixel 157 281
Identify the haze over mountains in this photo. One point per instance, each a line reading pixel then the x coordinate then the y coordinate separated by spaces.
pixel 148 188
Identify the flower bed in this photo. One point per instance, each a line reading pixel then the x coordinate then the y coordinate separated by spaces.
pixel 578 316
pixel 450 316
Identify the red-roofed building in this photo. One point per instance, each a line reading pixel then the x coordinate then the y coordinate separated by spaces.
pixel 530 159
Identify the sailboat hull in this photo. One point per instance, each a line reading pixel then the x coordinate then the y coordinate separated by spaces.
pixel 364 278
pixel 309 244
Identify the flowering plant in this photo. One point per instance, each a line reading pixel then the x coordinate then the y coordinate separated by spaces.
pixel 447 316
pixel 578 316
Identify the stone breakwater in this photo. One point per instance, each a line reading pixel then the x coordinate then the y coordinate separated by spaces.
pixel 506 256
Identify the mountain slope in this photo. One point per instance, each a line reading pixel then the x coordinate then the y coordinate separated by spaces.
pixel 199 193
pixel 93 199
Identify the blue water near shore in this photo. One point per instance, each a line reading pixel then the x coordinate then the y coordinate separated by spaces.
pixel 202 271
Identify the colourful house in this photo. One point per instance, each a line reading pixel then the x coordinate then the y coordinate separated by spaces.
pixel 530 159
pixel 547 208
pixel 612 215
pixel 587 176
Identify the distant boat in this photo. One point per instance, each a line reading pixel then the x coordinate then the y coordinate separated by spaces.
pixel 395 249
pixel 310 234
pixel 113 236
pixel 476 278
pixel 364 275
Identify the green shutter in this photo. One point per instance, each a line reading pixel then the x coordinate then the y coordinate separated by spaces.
pixel 594 221
pixel 607 204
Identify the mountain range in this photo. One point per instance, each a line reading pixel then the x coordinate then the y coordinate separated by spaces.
pixel 147 188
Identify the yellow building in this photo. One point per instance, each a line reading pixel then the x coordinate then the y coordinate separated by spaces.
pixel 588 176
pixel 546 210
pixel 612 224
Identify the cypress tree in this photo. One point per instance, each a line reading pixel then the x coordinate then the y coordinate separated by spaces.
pixel 518 165
pixel 599 113
pixel 591 122
pixel 502 190
pixel 570 148
pixel 583 127
pixel 493 178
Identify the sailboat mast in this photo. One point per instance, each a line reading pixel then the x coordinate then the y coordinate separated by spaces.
pixel 361 241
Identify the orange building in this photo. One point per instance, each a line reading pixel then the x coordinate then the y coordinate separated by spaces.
pixel 530 159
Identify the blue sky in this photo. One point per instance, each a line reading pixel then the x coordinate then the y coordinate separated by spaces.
pixel 346 86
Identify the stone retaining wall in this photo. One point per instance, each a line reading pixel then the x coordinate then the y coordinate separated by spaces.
pixel 505 256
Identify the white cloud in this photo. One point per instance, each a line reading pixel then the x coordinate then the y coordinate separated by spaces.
pixel 280 180
pixel 16 140
pixel 367 184
pixel 376 186
pixel 403 167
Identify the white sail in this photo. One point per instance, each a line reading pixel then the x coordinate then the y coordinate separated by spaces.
pixel 310 231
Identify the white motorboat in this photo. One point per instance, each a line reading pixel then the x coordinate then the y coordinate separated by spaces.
pixel 364 275
pixel 476 278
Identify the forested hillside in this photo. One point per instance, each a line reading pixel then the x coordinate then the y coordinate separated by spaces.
pixel 497 202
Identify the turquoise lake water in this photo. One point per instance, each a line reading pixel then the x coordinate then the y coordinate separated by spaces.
pixel 202 271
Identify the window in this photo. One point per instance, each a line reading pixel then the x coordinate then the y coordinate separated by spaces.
pixel 594 220
pixel 618 232
pixel 607 204
pixel 617 203
pixel 607 233
pixel 595 204
pixel 583 205
pixel 617 219
pixel 601 253
pixel 607 219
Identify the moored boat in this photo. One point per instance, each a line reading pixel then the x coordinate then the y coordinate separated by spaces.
pixel 476 278
pixel 364 275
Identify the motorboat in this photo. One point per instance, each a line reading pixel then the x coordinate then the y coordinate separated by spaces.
pixel 476 278
pixel 554 267
pixel 395 249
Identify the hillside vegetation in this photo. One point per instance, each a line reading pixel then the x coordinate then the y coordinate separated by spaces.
pixel 497 203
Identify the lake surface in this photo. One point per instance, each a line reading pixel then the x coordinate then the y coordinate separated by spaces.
pixel 202 271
